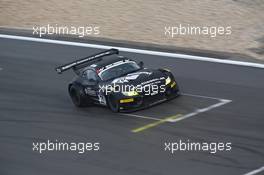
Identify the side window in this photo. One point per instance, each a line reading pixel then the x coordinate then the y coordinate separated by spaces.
pixel 90 75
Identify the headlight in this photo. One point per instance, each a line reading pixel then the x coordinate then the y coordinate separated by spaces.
pixel 130 93
pixel 168 80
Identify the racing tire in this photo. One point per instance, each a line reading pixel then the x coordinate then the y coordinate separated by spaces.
pixel 113 103
pixel 77 96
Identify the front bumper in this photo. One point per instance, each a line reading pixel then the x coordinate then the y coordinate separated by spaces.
pixel 131 104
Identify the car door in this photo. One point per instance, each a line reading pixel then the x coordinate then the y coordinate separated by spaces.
pixel 91 86
pixel 90 82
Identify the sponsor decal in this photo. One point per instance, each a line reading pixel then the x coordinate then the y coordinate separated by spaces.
pixel 128 77
pixel 101 99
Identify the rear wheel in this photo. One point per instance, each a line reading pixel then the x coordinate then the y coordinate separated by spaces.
pixel 113 103
pixel 78 97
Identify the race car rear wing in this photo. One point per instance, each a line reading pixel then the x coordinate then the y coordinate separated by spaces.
pixel 88 59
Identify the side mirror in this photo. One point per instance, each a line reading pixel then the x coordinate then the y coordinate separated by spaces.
pixel 141 64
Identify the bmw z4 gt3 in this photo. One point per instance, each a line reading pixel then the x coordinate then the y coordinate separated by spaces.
pixel 118 82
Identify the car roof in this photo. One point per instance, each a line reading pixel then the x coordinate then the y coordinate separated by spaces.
pixel 107 60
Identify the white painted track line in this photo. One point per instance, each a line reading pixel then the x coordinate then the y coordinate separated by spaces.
pixel 141 116
pixel 196 112
pixel 255 171
pixel 140 51
pixel 199 111
pixel 201 96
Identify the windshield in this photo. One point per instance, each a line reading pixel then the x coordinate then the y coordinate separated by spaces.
pixel 119 70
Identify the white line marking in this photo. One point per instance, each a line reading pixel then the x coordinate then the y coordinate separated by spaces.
pixel 255 171
pixel 200 96
pixel 1 68
pixel 140 51
pixel 198 111
pixel 141 116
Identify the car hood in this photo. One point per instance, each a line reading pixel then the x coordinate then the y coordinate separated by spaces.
pixel 141 77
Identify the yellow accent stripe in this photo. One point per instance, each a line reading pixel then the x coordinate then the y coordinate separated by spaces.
pixel 127 100
pixel 151 125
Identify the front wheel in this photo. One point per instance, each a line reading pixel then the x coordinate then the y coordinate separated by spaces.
pixel 113 103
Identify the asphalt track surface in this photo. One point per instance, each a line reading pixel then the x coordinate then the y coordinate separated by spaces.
pixel 35 106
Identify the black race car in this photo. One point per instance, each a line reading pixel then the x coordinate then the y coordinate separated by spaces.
pixel 118 82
